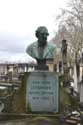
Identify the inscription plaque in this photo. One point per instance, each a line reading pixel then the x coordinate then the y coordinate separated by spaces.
pixel 42 92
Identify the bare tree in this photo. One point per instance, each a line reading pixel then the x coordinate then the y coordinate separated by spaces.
pixel 71 27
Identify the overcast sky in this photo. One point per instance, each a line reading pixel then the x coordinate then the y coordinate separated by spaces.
pixel 20 18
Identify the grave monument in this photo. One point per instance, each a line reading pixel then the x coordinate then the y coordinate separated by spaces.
pixel 40 89
pixel 42 85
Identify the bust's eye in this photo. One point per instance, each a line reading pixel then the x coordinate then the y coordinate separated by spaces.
pixel 46 34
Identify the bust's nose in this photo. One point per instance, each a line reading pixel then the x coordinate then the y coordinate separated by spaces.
pixel 44 35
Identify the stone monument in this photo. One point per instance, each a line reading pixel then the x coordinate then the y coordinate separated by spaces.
pixel 39 91
pixel 42 86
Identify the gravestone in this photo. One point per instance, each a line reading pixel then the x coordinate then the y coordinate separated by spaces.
pixel 42 92
pixel 39 92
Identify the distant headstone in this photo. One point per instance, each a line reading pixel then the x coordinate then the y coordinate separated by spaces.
pixel 81 90
pixel 42 92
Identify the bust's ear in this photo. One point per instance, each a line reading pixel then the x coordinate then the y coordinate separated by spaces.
pixel 37 34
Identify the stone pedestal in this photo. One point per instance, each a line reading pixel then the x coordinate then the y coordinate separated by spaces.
pixel 39 92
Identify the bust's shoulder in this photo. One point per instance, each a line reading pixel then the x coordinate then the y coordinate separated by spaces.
pixel 51 45
pixel 32 45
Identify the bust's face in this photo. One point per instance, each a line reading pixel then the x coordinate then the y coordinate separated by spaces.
pixel 42 36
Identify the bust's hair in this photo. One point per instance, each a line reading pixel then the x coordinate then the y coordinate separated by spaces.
pixel 43 28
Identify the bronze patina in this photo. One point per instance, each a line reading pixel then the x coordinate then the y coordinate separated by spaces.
pixel 41 49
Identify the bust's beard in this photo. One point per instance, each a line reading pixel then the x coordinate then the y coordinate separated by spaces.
pixel 42 43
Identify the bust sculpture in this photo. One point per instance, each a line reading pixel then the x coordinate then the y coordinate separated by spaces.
pixel 41 49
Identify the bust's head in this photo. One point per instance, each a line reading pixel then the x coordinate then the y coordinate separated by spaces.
pixel 42 34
